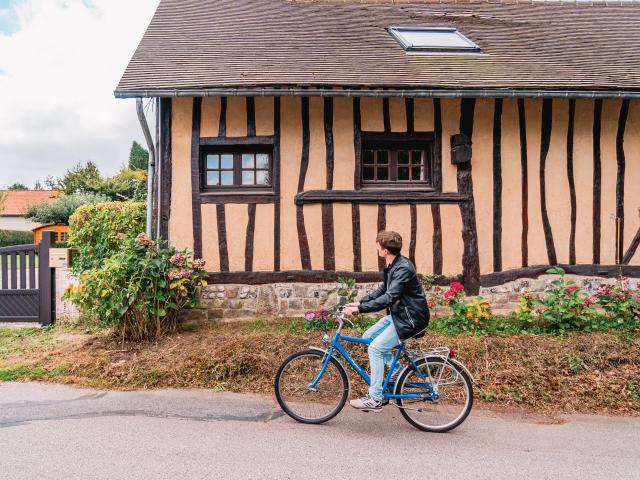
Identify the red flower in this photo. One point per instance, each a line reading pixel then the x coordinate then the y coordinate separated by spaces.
pixel 431 303
pixel 572 288
pixel 448 294
pixel 587 302
pixel 456 287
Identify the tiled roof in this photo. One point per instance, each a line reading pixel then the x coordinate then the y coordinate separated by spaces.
pixel 196 44
pixel 17 201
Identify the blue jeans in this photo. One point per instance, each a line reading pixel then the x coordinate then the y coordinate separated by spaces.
pixel 385 338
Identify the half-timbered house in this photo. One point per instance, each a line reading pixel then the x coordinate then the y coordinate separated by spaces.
pixel 497 137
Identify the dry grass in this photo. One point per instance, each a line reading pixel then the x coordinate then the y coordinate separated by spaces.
pixel 583 373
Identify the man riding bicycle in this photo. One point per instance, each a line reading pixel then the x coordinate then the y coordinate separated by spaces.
pixel 402 295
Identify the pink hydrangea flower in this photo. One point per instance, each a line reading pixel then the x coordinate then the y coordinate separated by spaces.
pixel 143 239
pixel 198 264
pixel 449 294
pixel 178 260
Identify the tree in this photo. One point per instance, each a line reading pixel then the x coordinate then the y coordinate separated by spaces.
pixel 38 185
pixel 18 186
pixel 80 179
pixel 138 157
pixel 59 210
pixel 129 184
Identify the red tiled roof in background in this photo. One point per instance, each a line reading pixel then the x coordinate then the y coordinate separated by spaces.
pixel 17 201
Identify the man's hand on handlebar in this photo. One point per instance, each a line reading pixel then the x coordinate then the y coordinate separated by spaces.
pixel 350 309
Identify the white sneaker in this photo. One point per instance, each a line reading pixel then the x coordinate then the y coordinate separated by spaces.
pixel 367 404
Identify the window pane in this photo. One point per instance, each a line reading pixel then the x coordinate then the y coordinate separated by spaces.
pixel 262 160
pixel 213 161
pixel 416 157
pixel 227 178
pixel 213 178
pixel 415 173
pixel 262 177
pixel 227 162
pixel 367 173
pixel 368 157
pixel 247 160
pixel 383 156
pixel 383 173
pixel 248 177
pixel 403 173
pixel 403 157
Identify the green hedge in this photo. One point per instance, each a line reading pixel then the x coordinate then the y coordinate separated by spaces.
pixel 9 238
pixel 97 230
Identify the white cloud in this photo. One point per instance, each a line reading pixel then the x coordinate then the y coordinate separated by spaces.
pixel 59 70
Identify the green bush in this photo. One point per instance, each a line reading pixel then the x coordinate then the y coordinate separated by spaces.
pixel 59 210
pixel 9 238
pixel 97 231
pixel 140 289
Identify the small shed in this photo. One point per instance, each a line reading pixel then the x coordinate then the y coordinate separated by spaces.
pixel 60 232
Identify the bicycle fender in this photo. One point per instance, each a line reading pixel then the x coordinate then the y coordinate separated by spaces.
pixel 326 352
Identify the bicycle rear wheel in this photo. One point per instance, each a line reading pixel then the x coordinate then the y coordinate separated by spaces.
pixel 298 399
pixel 442 395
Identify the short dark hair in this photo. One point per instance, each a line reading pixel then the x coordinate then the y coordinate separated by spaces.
pixel 390 240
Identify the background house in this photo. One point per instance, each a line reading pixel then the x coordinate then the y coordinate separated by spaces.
pixel 497 137
pixel 14 208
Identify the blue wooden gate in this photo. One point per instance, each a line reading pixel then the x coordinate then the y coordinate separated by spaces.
pixel 26 283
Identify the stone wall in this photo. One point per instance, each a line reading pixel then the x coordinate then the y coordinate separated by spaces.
pixel 294 299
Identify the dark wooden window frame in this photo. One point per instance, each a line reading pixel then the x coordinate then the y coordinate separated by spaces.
pixel 237 150
pixel 394 142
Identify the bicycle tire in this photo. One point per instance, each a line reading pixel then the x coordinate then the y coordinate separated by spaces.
pixel 287 406
pixel 406 409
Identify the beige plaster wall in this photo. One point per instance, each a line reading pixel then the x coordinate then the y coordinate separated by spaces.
pixel 398 216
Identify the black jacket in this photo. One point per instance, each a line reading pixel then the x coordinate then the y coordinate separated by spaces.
pixel 403 296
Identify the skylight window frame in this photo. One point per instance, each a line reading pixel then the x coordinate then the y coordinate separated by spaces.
pixel 396 33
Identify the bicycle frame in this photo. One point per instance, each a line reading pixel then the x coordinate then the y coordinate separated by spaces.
pixel 400 350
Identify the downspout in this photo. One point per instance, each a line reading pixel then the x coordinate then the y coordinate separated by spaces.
pixel 152 163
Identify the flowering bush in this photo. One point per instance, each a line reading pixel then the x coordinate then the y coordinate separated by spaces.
pixel 97 230
pixel 564 307
pixel 621 306
pixel 141 288
pixel 318 320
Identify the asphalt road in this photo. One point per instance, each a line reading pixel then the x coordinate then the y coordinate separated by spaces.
pixel 57 432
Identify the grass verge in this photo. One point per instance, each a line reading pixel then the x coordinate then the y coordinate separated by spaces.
pixel 574 373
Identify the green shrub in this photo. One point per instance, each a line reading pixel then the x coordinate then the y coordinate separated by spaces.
pixel 621 306
pixel 141 288
pixel 59 210
pixel 97 231
pixel 9 238
pixel 564 307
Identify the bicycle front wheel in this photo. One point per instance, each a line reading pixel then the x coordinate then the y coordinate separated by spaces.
pixel 299 399
pixel 438 397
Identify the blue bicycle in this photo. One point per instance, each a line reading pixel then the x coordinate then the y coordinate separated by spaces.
pixel 434 391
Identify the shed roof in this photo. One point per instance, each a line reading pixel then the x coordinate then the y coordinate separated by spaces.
pixel 195 45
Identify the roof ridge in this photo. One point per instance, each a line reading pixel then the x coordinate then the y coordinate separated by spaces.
pixel 578 3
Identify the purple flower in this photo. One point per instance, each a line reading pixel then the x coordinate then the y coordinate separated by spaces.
pixel 310 316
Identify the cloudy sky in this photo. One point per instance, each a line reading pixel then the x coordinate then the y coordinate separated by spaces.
pixel 60 61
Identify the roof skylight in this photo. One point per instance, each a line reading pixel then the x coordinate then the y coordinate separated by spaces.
pixel 432 39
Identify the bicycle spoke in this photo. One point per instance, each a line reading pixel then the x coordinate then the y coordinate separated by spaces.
pixel 306 402
pixel 442 396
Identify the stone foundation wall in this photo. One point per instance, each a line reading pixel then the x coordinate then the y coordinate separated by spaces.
pixel 294 299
